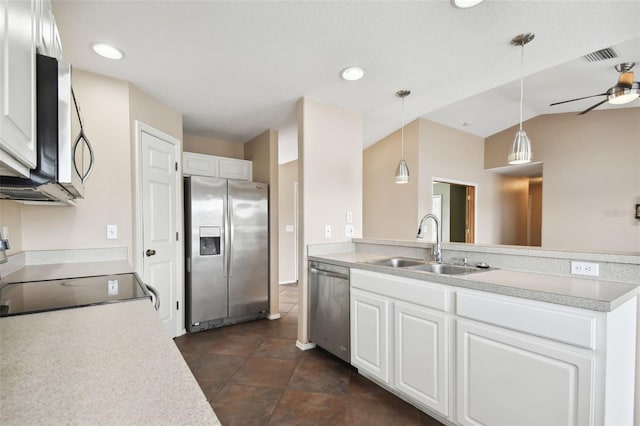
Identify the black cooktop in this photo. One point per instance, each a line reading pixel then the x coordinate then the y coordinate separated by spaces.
pixel 42 296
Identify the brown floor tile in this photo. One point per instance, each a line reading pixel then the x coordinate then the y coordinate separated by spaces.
pixel 190 357
pixel 195 342
pixel 361 387
pixel 245 405
pixel 290 318
pixel 213 368
pixel 309 408
pixel 229 344
pixel 278 348
pixel 286 307
pixel 285 331
pixel 288 297
pixel 384 409
pixel 210 390
pixel 265 372
pixel 260 328
pixel 428 420
pixel 319 372
pixel 294 309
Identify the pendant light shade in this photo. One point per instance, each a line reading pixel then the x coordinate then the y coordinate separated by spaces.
pixel 521 148
pixel 402 171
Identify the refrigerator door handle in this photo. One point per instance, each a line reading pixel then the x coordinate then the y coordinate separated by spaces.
pixel 230 214
pixel 225 249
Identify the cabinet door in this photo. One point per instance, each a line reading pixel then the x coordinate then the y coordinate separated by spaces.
pixel 508 378
pixel 370 329
pixel 17 86
pixel 199 164
pixel 421 355
pixel 231 168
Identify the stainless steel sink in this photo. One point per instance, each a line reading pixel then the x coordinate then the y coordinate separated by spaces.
pixel 446 269
pixel 396 262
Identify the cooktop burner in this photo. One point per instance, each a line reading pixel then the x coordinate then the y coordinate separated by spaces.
pixel 42 296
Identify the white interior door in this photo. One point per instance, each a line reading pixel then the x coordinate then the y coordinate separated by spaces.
pixel 159 248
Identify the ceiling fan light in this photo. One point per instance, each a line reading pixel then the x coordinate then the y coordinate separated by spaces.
pixel 621 95
pixel 520 149
pixel 402 172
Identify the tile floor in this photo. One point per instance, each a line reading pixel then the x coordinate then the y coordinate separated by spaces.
pixel 253 374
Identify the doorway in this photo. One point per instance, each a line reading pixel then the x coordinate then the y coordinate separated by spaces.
pixel 454 203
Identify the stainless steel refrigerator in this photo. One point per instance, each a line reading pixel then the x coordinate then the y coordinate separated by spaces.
pixel 226 251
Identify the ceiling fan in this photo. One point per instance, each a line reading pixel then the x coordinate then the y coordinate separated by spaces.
pixel 626 90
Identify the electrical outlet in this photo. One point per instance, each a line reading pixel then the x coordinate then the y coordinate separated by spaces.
pixel 327 231
pixel 112 232
pixel 348 231
pixel 585 268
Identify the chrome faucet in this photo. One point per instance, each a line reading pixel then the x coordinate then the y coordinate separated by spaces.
pixel 437 252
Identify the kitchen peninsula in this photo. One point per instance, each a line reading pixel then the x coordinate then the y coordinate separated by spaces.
pixel 524 343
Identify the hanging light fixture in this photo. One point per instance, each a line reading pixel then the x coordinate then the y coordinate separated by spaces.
pixel 521 147
pixel 402 171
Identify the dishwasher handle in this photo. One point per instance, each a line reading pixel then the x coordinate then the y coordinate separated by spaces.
pixel 329 274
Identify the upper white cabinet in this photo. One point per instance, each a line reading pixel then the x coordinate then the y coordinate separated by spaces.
pixel 17 87
pixel 47 37
pixel 210 165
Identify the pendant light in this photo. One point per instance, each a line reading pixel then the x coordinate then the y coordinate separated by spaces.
pixel 402 171
pixel 521 147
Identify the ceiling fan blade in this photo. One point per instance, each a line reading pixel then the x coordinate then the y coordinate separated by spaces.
pixel 592 107
pixel 577 99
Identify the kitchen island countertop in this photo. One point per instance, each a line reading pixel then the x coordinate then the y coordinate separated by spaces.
pixel 107 364
pixel 592 294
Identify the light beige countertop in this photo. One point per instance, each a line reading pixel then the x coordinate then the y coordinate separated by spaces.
pixel 108 364
pixel 592 294
pixel 66 270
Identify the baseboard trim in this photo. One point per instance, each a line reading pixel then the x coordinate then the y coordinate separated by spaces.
pixel 273 316
pixel 287 282
pixel 305 346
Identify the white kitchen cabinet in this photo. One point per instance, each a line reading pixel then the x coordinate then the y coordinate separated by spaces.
pixel 17 87
pixel 47 36
pixel 199 164
pixel 231 168
pixel 420 342
pixel 508 378
pixel 211 165
pixel 370 329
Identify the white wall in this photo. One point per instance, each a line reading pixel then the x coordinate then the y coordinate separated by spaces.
pixel 330 182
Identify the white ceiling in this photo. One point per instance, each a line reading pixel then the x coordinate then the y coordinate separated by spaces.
pixel 236 68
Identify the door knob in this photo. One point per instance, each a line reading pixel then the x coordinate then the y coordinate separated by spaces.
pixel 150 252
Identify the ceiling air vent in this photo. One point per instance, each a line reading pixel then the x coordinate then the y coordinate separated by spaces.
pixel 601 55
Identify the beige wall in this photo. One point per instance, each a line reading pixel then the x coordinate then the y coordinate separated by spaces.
pixel 391 209
pixel 433 152
pixel 104 105
pixel 591 177
pixel 330 182
pixel 263 152
pixel 212 146
pixel 11 217
pixel 109 109
pixel 288 176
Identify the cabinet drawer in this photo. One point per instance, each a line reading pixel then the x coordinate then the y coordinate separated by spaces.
pixel 530 318
pixel 417 292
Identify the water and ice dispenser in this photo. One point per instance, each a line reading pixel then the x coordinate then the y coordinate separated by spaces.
pixel 209 240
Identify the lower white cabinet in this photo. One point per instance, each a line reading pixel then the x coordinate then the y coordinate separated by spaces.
pixel 477 358
pixel 370 329
pixel 420 355
pixel 507 378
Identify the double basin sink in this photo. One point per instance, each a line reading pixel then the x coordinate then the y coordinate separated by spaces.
pixel 433 267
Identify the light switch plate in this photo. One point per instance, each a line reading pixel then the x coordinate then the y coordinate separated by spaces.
pixel 288 228
pixel 112 232
pixel 349 217
pixel 327 231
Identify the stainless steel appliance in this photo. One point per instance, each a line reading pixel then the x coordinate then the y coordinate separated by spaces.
pixel 51 295
pixel 56 178
pixel 329 308
pixel 226 251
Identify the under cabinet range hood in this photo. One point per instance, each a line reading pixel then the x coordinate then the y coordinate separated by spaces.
pixel 55 179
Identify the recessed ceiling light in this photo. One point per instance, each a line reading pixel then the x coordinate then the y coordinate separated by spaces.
pixel 465 4
pixel 352 73
pixel 107 51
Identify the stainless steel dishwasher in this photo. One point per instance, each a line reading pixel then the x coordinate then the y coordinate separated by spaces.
pixel 329 308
